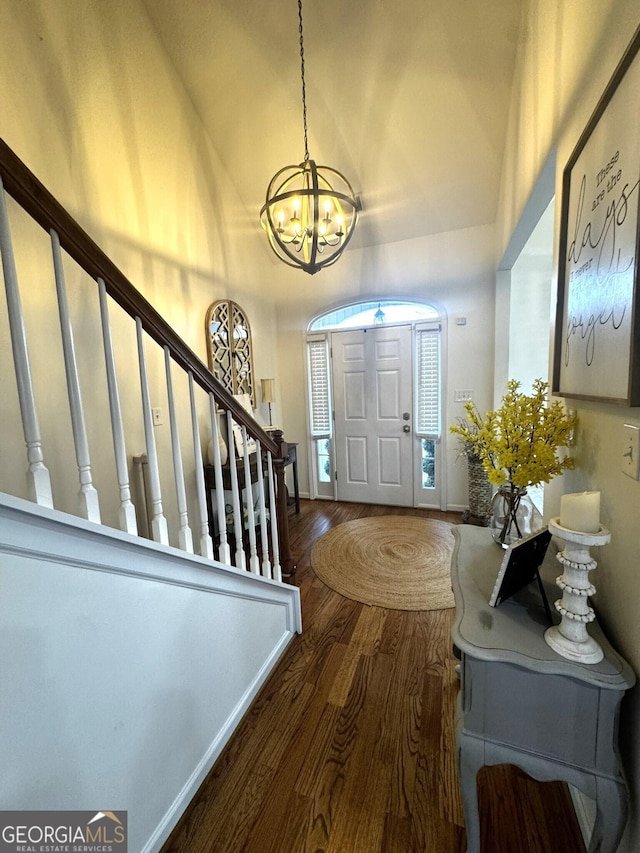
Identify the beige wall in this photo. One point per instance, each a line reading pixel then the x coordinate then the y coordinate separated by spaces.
pixel 568 54
pixel 91 104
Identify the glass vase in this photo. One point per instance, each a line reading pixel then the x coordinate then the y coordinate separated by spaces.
pixel 511 515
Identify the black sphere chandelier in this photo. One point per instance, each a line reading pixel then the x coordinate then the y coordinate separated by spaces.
pixel 311 211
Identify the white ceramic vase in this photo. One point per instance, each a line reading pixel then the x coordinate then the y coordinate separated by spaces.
pixel 224 454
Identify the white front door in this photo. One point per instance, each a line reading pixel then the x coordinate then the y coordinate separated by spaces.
pixel 372 382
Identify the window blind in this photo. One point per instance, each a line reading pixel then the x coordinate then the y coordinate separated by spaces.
pixel 428 382
pixel 319 396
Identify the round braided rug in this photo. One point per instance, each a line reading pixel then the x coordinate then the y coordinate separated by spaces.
pixel 399 562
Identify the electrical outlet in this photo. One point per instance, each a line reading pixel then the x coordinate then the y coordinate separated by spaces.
pixel 631 451
pixel 463 396
pixel 157 416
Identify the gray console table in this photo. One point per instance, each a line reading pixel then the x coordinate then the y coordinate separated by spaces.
pixel 521 703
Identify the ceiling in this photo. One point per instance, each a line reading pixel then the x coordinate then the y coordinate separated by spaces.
pixel 408 98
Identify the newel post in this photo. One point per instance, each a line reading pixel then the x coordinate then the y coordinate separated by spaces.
pixel 286 559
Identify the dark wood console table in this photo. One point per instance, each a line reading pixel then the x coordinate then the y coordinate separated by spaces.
pixel 210 479
pixel 292 459
pixel 521 703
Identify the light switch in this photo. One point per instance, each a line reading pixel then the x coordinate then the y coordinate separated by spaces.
pixel 631 451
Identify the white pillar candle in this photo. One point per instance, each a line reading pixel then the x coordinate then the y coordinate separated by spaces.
pixel 580 512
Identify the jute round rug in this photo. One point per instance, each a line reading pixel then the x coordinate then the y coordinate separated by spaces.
pixel 400 562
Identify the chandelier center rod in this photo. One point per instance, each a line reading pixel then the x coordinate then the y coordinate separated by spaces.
pixel 304 91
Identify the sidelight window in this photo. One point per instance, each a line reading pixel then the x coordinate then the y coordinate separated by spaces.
pixel 428 400
pixel 320 415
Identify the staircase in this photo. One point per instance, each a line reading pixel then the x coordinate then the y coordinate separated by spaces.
pixel 127 659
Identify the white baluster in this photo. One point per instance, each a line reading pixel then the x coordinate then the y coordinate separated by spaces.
pixel 159 530
pixel 127 511
pixel 254 563
pixel 88 496
pixel 262 509
pixel 277 569
pixel 206 543
pixel 38 479
pixel 238 521
pixel 224 552
pixel 185 539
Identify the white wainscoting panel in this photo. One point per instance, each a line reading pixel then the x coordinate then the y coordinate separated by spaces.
pixel 125 666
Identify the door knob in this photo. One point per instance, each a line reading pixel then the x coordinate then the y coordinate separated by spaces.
pixel 406 428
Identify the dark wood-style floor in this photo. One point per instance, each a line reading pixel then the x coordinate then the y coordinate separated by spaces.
pixel 350 746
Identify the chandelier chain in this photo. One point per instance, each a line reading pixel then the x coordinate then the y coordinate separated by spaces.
pixel 304 91
pixel 310 211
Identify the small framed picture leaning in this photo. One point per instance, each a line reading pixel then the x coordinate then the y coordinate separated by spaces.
pixel 520 567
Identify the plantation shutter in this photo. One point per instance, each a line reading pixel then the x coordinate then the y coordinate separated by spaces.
pixel 428 382
pixel 319 398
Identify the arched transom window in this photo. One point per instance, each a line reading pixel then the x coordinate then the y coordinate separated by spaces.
pixel 374 313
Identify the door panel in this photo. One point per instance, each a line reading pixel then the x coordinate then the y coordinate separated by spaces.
pixel 388 395
pixel 390 461
pixel 355 397
pixel 373 390
pixel 357 459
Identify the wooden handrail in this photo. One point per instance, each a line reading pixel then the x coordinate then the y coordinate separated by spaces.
pixel 23 186
pixel 38 202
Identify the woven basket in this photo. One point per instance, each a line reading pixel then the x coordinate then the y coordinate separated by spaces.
pixel 480 491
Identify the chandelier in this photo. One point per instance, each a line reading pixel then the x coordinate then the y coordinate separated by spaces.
pixel 310 211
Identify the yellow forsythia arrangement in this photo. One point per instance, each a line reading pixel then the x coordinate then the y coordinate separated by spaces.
pixel 518 443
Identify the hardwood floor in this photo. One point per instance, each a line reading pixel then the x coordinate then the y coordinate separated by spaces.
pixel 350 746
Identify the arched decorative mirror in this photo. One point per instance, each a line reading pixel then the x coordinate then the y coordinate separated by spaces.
pixel 229 347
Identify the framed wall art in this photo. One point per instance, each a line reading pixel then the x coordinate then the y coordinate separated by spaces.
pixel 597 338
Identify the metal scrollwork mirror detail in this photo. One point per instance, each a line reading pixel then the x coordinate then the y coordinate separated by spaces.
pixel 229 347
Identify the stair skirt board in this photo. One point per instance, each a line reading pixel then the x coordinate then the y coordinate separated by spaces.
pixel 129 663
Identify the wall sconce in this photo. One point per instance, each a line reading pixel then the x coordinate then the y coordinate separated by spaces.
pixel 268 394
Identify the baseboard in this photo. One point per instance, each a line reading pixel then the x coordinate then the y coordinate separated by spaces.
pixel 171 818
pixel 585 809
pixel 457 508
